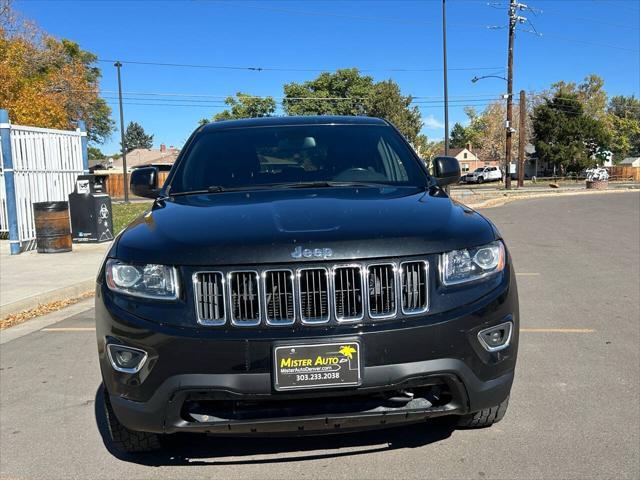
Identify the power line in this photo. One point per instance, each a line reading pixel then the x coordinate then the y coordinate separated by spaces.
pixel 405 21
pixel 217 96
pixel 209 107
pixel 422 22
pixel 284 69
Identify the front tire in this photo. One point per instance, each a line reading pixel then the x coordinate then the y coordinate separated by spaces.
pixel 127 440
pixel 480 179
pixel 484 418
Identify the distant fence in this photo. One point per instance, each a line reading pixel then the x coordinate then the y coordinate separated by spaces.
pixel 114 184
pixel 38 165
pixel 621 172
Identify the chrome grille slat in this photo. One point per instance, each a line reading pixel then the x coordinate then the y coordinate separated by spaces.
pixel 210 299
pixel 415 287
pixel 314 295
pixel 279 298
pixel 347 281
pixel 382 290
pixel 245 299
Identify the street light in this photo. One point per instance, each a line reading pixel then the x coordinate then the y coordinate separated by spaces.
pixel 475 79
pixel 508 127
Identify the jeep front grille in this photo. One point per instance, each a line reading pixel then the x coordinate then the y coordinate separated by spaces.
pixel 382 290
pixel 314 294
pixel 415 287
pixel 278 297
pixel 348 293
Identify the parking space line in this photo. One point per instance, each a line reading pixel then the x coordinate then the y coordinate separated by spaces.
pixel 527 274
pixel 557 330
pixel 69 329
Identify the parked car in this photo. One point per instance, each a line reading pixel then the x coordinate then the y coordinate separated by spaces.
pixel 484 174
pixel 303 275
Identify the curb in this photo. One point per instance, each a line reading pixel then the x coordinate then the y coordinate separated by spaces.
pixel 46 297
pixel 38 323
pixel 499 201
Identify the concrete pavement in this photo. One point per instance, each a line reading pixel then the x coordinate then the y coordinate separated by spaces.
pixel 574 410
pixel 32 278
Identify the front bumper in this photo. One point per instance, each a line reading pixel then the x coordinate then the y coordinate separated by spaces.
pixel 204 371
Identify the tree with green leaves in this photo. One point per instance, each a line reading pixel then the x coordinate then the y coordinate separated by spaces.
pixel 386 101
pixel 459 137
pixel 94 153
pixel 590 93
pixel 136 137
pixel 623 120
pixel 347 92
pixel 565 135
pixel 244 105
pixel 344 92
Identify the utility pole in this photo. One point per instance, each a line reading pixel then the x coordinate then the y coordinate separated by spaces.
pixel 124 148
pixel 521 138
pixel 446 89
pixel 514 19
pixel 508 125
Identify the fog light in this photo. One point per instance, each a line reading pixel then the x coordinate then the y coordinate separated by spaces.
pixel 496 338
pixel 126 359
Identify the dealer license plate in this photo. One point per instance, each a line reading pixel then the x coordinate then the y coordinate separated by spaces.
pixel 323 365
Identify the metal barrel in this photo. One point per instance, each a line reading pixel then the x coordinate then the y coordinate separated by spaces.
pixel 53 231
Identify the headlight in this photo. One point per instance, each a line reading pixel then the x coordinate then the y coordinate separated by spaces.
pixel 148 281
pixel 461 266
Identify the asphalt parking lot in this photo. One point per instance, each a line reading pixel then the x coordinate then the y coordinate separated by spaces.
pixel 574 410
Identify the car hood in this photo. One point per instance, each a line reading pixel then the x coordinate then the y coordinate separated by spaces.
pixel 255 227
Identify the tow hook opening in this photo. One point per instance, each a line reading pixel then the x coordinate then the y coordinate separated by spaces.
pixel 199 407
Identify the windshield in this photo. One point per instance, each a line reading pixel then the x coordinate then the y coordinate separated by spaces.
pixel 479 169
pixel 251 157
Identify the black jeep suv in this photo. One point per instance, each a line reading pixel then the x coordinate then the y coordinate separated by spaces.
pixel 303 275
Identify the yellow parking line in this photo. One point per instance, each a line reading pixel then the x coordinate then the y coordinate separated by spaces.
pixel 69 329
pixel 528 274
pixel 557 330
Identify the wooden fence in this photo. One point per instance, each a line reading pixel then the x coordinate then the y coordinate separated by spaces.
pixel 114 184
pixel 621 172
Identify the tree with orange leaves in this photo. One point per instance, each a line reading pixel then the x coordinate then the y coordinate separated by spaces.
pixel 46 82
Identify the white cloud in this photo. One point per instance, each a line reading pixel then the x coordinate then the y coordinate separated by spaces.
pixel 432 123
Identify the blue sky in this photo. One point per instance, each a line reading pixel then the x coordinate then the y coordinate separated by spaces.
pixel 578 38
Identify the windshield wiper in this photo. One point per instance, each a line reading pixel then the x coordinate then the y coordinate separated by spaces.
pixel 266 186
pixel 328 184
pixel 211 189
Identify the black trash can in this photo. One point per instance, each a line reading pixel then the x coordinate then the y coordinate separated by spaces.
pixel 52 227
pixel 91 220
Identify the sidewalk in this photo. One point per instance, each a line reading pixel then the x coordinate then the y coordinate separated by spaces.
pixel 484 196
pixel 31 278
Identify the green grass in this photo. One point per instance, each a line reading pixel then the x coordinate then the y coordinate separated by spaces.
pixel 124 213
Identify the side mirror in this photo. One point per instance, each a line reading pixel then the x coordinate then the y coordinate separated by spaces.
pixel 144 182
pixel 446 170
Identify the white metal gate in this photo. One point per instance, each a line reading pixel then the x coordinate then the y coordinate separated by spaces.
pixel 4 217
pixel 46 163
